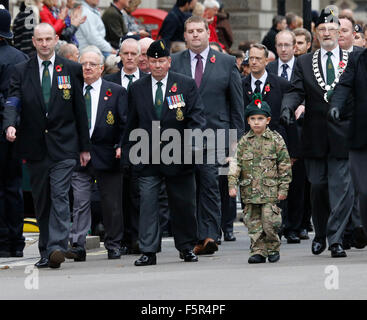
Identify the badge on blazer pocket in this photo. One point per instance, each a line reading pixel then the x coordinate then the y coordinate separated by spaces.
pixel 110 118
pixel 66 94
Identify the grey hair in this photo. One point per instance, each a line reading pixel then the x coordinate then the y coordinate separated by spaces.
pixel 93 49
pixel 131 40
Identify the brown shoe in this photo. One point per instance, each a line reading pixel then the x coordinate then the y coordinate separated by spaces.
pixel 198 249
pixel 210 246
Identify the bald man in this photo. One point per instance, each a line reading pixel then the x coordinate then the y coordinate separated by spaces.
pixel 143 58
pixel 52 136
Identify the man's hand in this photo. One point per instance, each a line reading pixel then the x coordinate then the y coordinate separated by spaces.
pixel 287 117
pixel 334 114
pixel 10 134
pixel 233 192
pixel 299 111
pixel 84 158
pixel 118 153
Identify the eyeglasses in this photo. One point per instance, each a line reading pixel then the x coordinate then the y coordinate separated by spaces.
pixel 284 45
pixel 330 30
pixel 90 64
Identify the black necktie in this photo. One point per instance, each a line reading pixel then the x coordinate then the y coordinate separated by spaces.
pixel 258 84
pixel 88 103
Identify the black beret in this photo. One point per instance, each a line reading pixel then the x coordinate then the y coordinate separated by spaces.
pixel 327 16
pixel 257 106
pixel 158 49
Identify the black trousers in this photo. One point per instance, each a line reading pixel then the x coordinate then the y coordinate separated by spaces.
pixel 293 218
pixel 11 200
pixel 131 208
pixel 228 206
pixel 358 169
pixel 181 192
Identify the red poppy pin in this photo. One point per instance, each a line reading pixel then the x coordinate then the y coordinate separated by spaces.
pixel 257 101
pixel 174 87
pixel 58 68
pixel 212 59
pixel 109 93
pixel 341 64
pixel 267 88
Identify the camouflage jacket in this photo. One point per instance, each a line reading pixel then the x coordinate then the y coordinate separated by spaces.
pixel 261 167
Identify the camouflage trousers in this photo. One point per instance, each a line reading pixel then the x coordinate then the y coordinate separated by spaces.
pixel 263 222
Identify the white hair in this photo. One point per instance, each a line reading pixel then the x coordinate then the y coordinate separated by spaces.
pixel 93 49
pixel 211 4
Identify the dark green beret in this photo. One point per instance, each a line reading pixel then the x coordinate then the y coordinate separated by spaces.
pixel 158 49
pixel 257 107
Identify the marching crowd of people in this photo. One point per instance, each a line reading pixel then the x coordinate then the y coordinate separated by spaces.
pixel 75 85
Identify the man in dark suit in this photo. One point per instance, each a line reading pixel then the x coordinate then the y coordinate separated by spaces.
pixel 292 208
pixel 353 81
pixel 354 227
pixel 46 92
pixel 160 102
pixel 129 54
pixel 285 42
pixel 12 241
pixel 130 51
pixel 107 113
pixel 279 24
pixel 272 89
pixel 324 143
pixel 219 83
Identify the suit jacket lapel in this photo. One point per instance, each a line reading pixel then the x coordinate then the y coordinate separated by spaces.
pixel 320 67
pixel 36 81
pixel 101 103
pixel 54 85
pixel 147 96
pixel 247 88
pixel 209 66
pixel 187 63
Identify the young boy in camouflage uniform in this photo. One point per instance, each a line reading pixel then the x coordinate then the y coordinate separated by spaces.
pixel 262 168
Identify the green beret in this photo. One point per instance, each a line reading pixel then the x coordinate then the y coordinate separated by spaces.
pixel 257 107
pixel 158 49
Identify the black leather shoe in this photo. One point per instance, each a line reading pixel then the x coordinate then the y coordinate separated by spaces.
pixel 55 259
pixel 274 257
pixel 114 254
pixel 188 256
pixel 292 238
pixel 77 253
pixel 303 235
pixel 147 259
pixel 337 251
pixel 124 251
pixel 42 263
pixel 228 236
pixel 257 258
pixel 318 246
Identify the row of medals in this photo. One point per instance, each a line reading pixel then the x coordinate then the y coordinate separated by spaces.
pixel 178 104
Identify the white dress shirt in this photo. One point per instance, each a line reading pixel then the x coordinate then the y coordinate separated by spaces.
pixel 194 61
pixel 125 80
pixel 335 58
pixel 50 67
pixel 262 79
pixel 290 64
pixel 94 94
pixel 154 86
